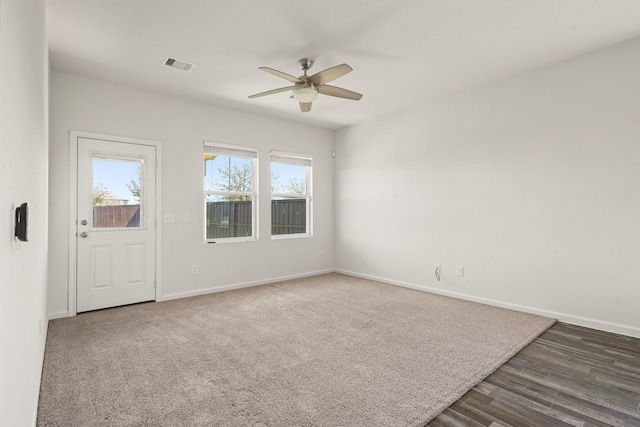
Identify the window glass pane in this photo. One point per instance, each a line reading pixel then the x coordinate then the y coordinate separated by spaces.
pixel 289 197
pixel 227 173
pixel 288 179
pixel 116 193
pixel 228 216
pixel 288 216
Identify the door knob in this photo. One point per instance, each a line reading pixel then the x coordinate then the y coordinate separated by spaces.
pixel 83 222
pixel 84 234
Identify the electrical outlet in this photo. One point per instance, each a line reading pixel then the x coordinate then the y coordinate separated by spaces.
pixel 194 269
pixel 169 217
pixel 320 254
pixel 460 271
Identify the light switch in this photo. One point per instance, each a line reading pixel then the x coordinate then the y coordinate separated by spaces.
pixel 185 217
pixel 169 217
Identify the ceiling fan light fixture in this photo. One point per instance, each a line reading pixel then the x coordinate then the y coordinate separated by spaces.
pixel 305 94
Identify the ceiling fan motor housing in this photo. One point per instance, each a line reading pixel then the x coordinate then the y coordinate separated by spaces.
pixel 305 64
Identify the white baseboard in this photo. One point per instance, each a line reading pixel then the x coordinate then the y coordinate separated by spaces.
pixel 240 285
pixel 58 315
pixel 563 317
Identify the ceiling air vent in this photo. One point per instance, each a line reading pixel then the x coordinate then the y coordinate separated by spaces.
pixel 179 64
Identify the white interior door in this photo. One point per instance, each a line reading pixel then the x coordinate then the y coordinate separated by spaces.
pixel 116 250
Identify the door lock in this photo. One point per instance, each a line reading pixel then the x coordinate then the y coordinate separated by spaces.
pixel 83 222
pixel 84 234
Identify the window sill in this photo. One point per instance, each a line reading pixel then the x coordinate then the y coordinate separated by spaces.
pixel 290 236
pixel 231 240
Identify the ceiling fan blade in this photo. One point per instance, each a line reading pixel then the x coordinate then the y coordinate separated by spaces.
pixel 339 92
pixel 305 106
pixel 325 76
pixel 280 74
pixel 271 92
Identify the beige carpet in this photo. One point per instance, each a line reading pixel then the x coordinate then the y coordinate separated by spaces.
pixel 330 350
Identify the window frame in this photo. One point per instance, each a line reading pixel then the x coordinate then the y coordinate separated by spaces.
pixel 237 151
pixel 298 159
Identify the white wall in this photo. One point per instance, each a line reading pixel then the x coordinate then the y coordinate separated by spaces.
pixel 23 178
pixel 90 105
pixel 532 185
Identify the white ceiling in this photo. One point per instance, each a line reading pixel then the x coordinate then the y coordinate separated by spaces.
pixel 402 51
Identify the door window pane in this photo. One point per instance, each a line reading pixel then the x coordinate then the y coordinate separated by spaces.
pixel 117 190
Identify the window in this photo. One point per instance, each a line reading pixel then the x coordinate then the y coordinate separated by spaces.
pixel 230 192
pixel 290 195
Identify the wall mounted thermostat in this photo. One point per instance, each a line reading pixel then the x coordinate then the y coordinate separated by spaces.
pixel 22 216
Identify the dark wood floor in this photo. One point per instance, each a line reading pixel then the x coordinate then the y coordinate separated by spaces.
pixel 569 376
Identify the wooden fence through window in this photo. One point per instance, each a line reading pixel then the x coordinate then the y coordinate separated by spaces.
pixel 223 219
pixel 233 218
pixel 119 216
pixel 288 216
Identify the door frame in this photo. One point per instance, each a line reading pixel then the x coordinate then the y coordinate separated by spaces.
pixel 74 135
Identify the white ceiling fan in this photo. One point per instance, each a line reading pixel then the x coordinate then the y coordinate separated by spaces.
pixel 306 88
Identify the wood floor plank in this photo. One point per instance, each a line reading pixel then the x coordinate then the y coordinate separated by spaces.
pixel 593 410
pixel 467 410
pixel 591 391
pixel 534 396
pixel 629 383
pixel 569 376
pixel 539 409
pixel 451 418
pixel 533 416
